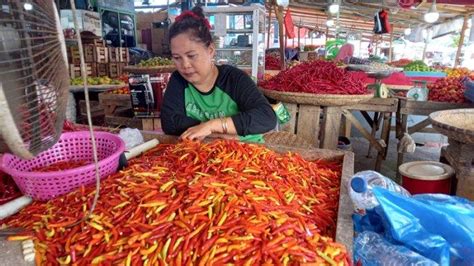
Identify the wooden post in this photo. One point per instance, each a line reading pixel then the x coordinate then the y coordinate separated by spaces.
pixel 269 27
pixel 390 53
pixel 279 15
pixel 457 59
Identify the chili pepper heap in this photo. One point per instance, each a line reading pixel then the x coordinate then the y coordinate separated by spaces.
pixel 319 77
pixel 200 204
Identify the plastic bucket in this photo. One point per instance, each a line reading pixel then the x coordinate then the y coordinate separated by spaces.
pixel 344 144
pixel 426 177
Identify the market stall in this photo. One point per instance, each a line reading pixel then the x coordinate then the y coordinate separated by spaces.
pixel 259 164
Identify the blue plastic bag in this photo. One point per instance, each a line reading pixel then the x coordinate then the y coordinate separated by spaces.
pixel 469 92
pixel 439 227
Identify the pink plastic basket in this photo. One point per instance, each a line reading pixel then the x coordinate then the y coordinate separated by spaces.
pixel 71 146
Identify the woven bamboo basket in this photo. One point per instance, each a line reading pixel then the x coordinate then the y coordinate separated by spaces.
pixel 316 99
pixel 457 124
pixel 286 139
pixel 149 70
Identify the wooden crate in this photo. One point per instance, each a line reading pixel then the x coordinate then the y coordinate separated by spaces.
pixel 101 69
pixel 460 157
pixel 96 108
pixel 75 70
pixel 73 55
pixel 344 230
pixel 114 103
pixel 101 55
pixel 89 51
pixel 114 54
pixel 115 70
pixel 124 56
pixel 94 42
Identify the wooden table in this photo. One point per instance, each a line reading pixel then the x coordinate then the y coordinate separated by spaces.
pixel 383 109
pixel 410 107
pixel 320 125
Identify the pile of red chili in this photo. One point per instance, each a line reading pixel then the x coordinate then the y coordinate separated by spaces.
pixel 319 77
pixel 60 166
pixel 272 63
pixel 200 204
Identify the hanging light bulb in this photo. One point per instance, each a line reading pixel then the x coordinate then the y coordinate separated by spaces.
pixel 407 31
pixel 432 15
pixel 334 7
pixel 28 6
pixel 330 22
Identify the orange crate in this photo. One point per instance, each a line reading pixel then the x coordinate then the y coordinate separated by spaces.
pixel 101 55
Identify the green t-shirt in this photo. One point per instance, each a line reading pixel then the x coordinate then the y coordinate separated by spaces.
pixel 217 104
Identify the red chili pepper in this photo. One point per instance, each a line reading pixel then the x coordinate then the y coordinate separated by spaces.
pixel 222 202
pixel 319 77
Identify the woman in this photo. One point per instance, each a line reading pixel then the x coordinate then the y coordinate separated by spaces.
pixel 203 99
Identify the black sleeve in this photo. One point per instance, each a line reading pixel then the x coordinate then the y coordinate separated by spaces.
pixel 255 115
pixel 174 120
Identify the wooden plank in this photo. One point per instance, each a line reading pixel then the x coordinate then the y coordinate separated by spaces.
pixel 376 105
pixel 151 124
pixel 346 127
pixel 291 125
pixel 307 126
pixel 428 107
pixel 362 130
pixel 419 126
pixel 330 127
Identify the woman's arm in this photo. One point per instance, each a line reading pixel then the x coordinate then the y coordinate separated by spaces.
pixel 255 115
pixel 174 120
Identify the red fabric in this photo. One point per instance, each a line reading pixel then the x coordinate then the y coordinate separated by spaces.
pixel 386 24
pixel 408 3
pixel 289 27
pixel 398 78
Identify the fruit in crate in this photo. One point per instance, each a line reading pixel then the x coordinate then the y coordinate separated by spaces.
pixel 96 81
pixel 124 90
pixel 457 72
pixel 447 90
pixel 418 66
pixel 155 61
pixel 401 63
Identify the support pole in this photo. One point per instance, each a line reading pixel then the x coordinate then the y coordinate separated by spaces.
pixel 390 53
pixel 279 16
pixel 457 60
pixel 269 27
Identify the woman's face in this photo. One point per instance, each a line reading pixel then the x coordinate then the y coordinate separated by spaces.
pixel 193 59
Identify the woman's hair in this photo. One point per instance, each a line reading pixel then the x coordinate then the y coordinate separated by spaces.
pixel 193 22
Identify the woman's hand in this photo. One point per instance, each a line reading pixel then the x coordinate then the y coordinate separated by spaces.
pixel 200 131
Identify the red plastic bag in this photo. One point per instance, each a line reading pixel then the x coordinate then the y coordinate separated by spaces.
pixel 289 27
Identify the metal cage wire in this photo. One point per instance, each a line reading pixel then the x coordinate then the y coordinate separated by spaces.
pixel 33 77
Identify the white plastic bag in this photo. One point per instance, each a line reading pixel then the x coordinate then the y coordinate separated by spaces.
pixel 131 136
